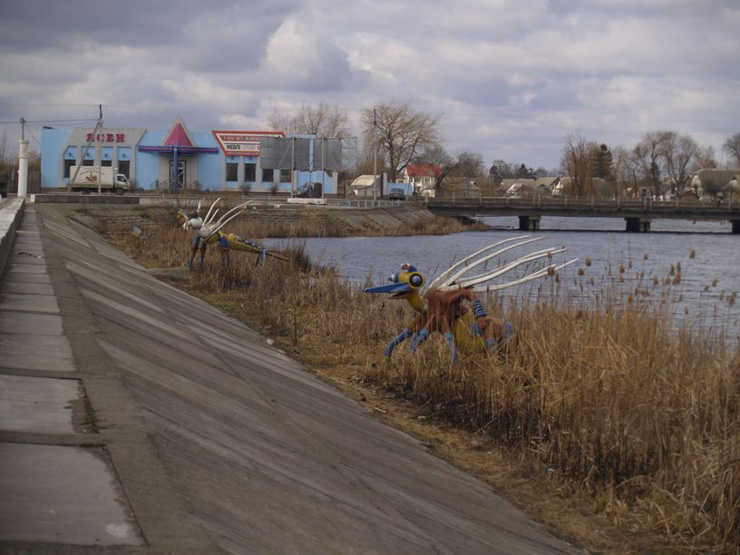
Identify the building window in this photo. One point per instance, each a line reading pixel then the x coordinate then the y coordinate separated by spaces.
pixel 88 162
pixel 106 163
pixel 231 171
pixel 124 167
pixel 268 176
pixel 250 172
pixel 67 167
pixel 285 176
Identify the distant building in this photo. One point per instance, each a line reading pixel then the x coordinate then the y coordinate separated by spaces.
pixel 711 181
pixel 159 160
pixel 367 186
pixel 423 177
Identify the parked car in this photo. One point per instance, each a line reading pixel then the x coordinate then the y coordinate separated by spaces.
pixel 309 190
pixel 396 193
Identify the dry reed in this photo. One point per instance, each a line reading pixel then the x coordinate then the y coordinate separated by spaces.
pixel 610 395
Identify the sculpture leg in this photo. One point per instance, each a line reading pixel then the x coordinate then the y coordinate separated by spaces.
pixel 193 250
pixel 451 342
pixel 223 247
pixel 202 253
pixel 405 334
pixel 419 338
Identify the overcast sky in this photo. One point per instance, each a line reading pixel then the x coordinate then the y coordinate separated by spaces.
pixel 509 78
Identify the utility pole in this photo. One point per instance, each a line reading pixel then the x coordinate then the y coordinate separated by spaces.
pixel 98 148
pixel 375 155
pixel 93 137
pixel 23 162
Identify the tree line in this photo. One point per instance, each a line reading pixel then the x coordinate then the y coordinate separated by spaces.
pixel 396 136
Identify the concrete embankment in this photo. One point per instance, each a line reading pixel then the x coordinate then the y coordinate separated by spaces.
pixel 138 419
pixel 11 214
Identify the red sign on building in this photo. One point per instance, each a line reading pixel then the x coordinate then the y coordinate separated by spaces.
pixel 107 137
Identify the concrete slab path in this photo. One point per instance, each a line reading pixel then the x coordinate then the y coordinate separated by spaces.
pixel 139 419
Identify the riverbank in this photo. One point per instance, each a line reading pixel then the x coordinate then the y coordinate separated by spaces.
pixel 595 425
pixel 284 220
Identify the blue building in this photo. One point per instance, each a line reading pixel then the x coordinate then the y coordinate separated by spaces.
pixel 159 160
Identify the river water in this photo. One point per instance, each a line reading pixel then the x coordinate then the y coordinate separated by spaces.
pixel 707 253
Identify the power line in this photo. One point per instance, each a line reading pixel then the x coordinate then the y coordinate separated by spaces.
pixel 33 136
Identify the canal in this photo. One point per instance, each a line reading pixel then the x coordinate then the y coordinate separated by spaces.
pixel 610 260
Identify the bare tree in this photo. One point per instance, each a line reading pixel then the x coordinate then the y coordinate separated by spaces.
pixel 578 163
pixel 280 121
pixel 704 159
pixel 732 149
pixel 323 120
pixel 648 158
pixel 679 154
pixel 397 133
pixel 469 165
pixel 621 170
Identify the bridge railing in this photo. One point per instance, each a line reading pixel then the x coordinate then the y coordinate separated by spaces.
pixel 590 204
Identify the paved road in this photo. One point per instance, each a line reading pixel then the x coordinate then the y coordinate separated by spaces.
pixel 137 419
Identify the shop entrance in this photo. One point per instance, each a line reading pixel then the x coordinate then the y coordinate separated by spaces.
pixel 181 173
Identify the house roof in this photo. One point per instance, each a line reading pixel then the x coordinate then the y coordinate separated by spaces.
pixel 365 181
pixel 508 182
pixel 547 181
pixel 420 170
pixel 178 135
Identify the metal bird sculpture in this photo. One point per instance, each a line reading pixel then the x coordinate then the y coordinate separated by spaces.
pixel 443 306
pixel 208 231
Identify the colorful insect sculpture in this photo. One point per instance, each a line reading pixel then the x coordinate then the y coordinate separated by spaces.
pixel 442 308
pixel 209 232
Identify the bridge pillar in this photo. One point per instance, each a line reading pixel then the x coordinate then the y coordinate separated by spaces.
pixel 638 225
pixel 529 223
pixel 736 226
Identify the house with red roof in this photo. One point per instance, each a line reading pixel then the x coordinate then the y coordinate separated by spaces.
pixel 422 177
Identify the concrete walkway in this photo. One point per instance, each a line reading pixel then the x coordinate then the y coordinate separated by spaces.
pixel 137 419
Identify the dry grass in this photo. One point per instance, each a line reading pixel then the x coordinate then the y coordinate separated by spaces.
pixel 605 398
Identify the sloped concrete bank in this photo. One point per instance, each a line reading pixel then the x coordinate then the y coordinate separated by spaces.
pixel 221 443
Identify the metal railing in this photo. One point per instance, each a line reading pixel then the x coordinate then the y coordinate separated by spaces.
pixel 569 205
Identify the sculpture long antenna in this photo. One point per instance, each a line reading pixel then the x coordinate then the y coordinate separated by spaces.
pixel 482 278
pixel 455 266
pixel 213 205
pixel 451 280
pixel 228 216
pixel 525 279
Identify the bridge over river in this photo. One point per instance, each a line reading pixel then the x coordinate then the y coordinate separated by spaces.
pixel 637 214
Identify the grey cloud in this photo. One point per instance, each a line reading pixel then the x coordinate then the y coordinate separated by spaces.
pixel 137 23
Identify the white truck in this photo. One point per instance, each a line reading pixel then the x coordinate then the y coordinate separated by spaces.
pixel 93 178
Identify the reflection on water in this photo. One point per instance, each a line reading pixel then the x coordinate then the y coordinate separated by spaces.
pixel 709 278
